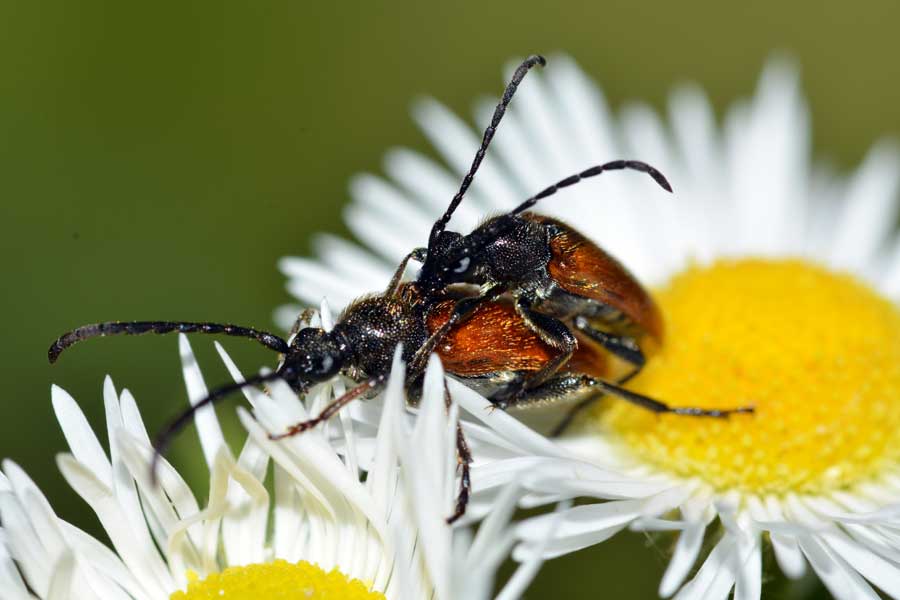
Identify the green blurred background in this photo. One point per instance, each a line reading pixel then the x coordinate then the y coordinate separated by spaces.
pixel 157 158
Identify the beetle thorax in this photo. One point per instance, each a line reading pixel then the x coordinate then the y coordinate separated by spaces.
pixel 373 327
pixel 519 255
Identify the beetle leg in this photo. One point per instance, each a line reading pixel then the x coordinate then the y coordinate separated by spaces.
pixel 552 332
pixel 302 320
pixel 417 255
pixel 563 387
pixel 624 347
pixel 583 404
pixel 375 383
pixel 464 458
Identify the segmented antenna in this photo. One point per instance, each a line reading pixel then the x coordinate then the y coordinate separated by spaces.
pixel 269 340
pixel 615 165
pixel 498 227
pixel 517 77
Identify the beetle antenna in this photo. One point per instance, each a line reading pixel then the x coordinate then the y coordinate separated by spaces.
pixel 269 340
pixel 616 165
pixel 482 237
pixel 167 434
pixel 489 132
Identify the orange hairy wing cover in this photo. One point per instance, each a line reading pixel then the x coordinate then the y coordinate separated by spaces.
pixel 494 338
pixel 581 267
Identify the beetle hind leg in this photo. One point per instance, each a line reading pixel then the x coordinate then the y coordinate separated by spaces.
pixel 625 347
pixel 565 386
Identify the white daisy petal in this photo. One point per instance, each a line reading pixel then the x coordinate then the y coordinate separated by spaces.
pixel 351 260
pixel 869 210
pixel 79 435
pixel 787 549
pixel 10 579
pixel 310 281
pixel 843 583
pixel 458 145
pixel 208 428
pixel 882 573
pixel 323 511
pixel 62 580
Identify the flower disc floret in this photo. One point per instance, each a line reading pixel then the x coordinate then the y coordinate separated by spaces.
pixel 816 353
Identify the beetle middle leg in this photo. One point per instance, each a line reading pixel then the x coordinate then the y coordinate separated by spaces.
pixel 552 332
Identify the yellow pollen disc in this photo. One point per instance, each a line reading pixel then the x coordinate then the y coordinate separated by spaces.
pixel 816 353
pixel 278 580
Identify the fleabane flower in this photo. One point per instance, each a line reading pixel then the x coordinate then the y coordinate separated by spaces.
pixel 317 530
pixel 778 281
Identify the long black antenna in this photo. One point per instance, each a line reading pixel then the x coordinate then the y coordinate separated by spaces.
pixel 485 235
pixel 615 165
pixel 517 77
pixel 269 340
pixel 167 434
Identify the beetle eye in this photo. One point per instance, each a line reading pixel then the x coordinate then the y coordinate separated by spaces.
pixel 463 265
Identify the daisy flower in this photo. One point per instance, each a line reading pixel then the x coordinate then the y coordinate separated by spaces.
pixel 778 281
pixel 316 531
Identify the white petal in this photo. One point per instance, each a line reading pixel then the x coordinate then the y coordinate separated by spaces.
pixel 512 429
pixel 246 518
pixel 842 582
pixel 716 577
pixel 580 519
pixel 379 231
pixel 519 581
pixel 10 579
pixel 376 196
pixel 360 266
pixel 134 546
pixel 433 186
pixel 869 211
pixel 884 574
pixel 310 281
pixel 208 428
pixel 122 482
pixel 81 439
pixel 107 568
pixel 23 543
pixel 787 549
pixel 61 579
pixel 562 546
pixel 458 144
pixel 683 558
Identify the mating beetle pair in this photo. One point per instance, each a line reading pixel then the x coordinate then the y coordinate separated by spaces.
pixel 547 299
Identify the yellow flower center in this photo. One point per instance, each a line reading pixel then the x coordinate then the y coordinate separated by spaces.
pixel 816 353
pixel 279 580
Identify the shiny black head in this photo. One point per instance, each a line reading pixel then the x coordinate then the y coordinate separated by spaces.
pixel 314 356
pixel 507 247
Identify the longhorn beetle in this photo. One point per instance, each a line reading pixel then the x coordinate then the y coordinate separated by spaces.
pixel 482 338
